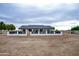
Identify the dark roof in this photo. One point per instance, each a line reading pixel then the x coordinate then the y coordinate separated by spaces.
pixel 35 26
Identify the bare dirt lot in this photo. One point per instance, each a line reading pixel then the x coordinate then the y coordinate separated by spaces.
pixel 66 45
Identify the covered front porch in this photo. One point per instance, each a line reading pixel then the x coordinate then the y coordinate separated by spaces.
pixel 43 32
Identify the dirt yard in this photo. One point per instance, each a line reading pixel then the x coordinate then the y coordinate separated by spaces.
pixel 66 45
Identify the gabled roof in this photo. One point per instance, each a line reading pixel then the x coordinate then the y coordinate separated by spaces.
pixel 35 26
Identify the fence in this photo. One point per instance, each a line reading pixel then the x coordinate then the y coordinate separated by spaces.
pixel 37 34
pixel 22 33
pixel 16 33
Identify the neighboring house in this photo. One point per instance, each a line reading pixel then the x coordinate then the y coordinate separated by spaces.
pixel 37 30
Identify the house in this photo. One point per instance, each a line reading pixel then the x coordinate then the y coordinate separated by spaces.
pixel 38 29
pixel 32 30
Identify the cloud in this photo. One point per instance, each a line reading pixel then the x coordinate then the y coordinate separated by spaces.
pixel 50 14
pixel 65 25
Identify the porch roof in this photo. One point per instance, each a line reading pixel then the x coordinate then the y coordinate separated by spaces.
pixel 35 27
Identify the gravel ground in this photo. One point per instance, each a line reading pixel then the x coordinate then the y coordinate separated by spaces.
pixel 65 45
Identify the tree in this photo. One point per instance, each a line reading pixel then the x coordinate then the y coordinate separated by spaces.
pixel 10 27
pixel 7 27
pixel 4 26
pixel 57 31
pixel 75 28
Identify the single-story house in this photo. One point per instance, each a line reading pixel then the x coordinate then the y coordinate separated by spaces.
pixel 37 30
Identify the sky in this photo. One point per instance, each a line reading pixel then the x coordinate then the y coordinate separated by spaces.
pixel 62 16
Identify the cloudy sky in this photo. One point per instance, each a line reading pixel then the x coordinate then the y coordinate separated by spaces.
pixel 59 15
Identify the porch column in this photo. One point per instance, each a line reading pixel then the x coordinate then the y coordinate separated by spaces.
pixel 54 32
pixel 26 31
pixel 38 31
pixel 32 31
pixel 46 31
pixel 17 32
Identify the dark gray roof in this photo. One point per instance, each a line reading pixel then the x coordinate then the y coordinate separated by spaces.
pixel 35 26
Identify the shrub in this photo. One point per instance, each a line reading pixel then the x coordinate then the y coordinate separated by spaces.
pixel 75 28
